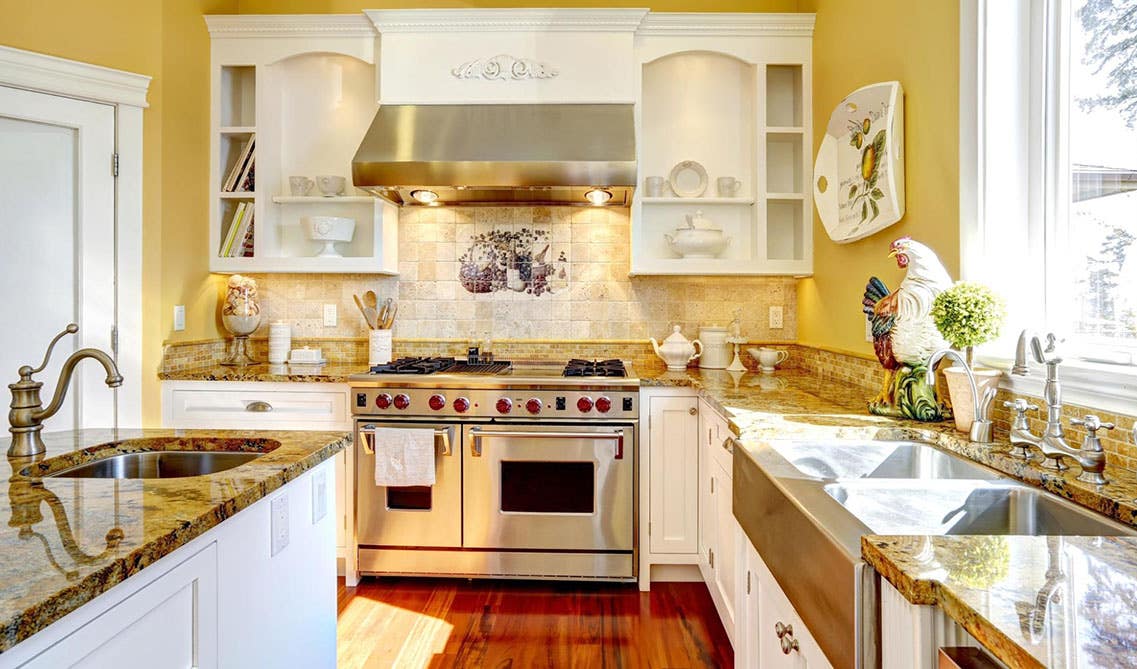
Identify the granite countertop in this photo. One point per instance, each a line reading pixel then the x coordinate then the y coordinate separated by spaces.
pixel 333 372
pixel 68 540
pixel 1031 601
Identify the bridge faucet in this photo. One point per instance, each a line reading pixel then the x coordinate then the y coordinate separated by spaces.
pixel 27 411
pixel 981 430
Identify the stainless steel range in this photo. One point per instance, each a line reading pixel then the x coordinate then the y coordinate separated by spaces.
pixel 535 469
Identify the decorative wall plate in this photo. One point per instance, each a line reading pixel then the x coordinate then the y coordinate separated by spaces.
pixel 688 179
pixel 858 185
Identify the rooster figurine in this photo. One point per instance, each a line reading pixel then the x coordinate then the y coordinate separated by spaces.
pixel 904 335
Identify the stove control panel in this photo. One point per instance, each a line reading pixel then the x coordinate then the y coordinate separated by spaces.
pixel 497 403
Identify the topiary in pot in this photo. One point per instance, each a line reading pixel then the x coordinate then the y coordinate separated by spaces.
pixel 968 314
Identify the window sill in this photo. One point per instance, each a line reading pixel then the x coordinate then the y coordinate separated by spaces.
pixel 1104 388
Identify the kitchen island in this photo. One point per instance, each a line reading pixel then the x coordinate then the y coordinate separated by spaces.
pixel 251 541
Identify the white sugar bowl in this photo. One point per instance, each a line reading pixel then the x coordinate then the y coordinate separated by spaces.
pixel 329 230
pixel 676 351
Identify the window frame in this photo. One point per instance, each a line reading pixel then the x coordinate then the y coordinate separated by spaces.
pixel 1013 113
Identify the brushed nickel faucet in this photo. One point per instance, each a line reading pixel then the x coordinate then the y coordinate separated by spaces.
pixel 1052 442
pixel 25 419
pixel 981 429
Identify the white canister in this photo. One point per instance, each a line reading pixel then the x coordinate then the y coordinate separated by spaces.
pixel 379 347
pixel 279 342
pixel 716 350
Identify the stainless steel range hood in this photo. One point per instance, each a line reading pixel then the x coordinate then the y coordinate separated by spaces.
pixel 509 154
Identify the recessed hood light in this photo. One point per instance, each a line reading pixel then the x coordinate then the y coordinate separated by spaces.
pixel 424 196
pixel 598 196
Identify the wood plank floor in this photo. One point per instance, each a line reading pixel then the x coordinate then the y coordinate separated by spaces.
pixel 415 623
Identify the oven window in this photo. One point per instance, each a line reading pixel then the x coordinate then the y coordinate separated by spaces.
pixel 409 498
pixel 548 487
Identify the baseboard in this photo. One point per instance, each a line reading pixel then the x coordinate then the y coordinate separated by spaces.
pixel 676 573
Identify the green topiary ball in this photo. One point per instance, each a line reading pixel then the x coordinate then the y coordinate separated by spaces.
pixel 968 314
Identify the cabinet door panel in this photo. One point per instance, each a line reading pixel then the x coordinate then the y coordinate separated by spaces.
pixel 726 529
pixel 674 465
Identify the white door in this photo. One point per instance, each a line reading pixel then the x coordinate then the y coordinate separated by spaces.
pixel 57 256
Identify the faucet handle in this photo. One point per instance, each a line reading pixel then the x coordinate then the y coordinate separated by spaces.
pixel 26 371
pixel 1020 406
pixel 1092 424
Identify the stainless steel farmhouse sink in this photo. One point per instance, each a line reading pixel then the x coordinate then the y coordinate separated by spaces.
pixel 158 465
pixel 806 505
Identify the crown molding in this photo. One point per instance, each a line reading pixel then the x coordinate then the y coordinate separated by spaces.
pixel 288 25
pixel 59 76
pixel 506 20
pixel 728 24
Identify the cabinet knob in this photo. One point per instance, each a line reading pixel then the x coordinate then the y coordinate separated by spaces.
pixel 786 636
pixel 693 411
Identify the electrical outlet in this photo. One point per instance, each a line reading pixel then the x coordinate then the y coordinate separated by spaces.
pixel 329 315
pixel 776 318
pixel 868 330
pixel 179 317
pixel 279 507
pixel 319 496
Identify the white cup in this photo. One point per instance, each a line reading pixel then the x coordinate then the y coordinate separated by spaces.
pixel 728 186
pixel 653 186
pixel 331 185
pixel 768 358
pixel 300 186
pixel 279 342
pixel 378 347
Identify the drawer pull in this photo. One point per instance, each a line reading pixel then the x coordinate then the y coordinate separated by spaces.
pixel 259 406
pixel 728 444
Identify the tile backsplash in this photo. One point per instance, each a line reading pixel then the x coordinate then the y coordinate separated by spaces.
pixel 540 273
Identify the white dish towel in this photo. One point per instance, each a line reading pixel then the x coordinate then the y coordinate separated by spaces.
pixel 404 456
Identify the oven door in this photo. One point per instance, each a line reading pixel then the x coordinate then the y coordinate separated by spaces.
pixel 418 516
pixel 564 487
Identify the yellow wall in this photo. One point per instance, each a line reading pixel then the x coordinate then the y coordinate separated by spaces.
pixel 859 43
pixel 167 41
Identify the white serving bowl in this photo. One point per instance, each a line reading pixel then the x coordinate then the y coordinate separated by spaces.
pixel 697 242
pixel 329 229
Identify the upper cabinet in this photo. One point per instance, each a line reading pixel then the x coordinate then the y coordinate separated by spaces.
pixel 491 56
pixel 724 124
pixel 723 114
pixel 292 98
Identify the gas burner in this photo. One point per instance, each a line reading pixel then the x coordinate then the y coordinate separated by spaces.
pixel 415 366
pixel 495 367
pixel 577 367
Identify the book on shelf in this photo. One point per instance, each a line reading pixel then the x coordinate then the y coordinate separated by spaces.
pixel 235 229
pixel 242 168
pixel 246 250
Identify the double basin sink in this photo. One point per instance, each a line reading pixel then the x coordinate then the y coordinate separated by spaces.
pixel 806 505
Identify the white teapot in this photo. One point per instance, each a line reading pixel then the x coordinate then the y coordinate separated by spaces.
pixel 676 351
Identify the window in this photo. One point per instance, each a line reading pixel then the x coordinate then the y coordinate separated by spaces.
pixel 1048 175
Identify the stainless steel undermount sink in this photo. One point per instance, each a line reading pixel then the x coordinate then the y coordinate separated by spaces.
pixel 158 465
pixel 838 460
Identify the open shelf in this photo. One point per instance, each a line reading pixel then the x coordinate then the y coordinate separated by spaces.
pixel 783 96
pixel 321 199
pixel 239 195
pixel 695 201
pixel 237 130
pixel 238 96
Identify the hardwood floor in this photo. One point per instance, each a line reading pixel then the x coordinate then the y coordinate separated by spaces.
pixel 413 623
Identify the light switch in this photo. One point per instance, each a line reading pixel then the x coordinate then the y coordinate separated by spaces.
pixel 179 317
pixel 329 315
pixel 776 318
pixel 319 496
pixel 279 512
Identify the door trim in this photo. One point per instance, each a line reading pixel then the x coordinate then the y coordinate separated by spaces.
pixel 126 92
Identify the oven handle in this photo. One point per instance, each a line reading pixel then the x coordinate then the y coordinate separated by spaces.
pixel 478 435
pixel 367 434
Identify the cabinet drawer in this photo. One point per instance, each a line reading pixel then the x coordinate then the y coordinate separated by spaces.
pixel 257 407
pixel 715 432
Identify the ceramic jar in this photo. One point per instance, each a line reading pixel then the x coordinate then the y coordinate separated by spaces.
pixel 716 349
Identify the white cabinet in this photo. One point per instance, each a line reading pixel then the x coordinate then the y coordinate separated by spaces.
pixel 673 456
pixel 741 111
pixel 222 600
pixel 718 530
pixel 769 634
pixel 225 405
pixel 171 622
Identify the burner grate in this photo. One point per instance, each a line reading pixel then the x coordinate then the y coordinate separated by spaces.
pixel 415 366
pixel 577 367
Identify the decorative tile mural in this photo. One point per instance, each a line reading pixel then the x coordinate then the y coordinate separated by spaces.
pixel 517 260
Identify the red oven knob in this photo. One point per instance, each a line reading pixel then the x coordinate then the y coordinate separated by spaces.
pixel 461 405
pixel 402 401
pixel 603 404
pixel 584 404
pixel 504 405
pixel 383 401
pixel 533 405
pixel 437 402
